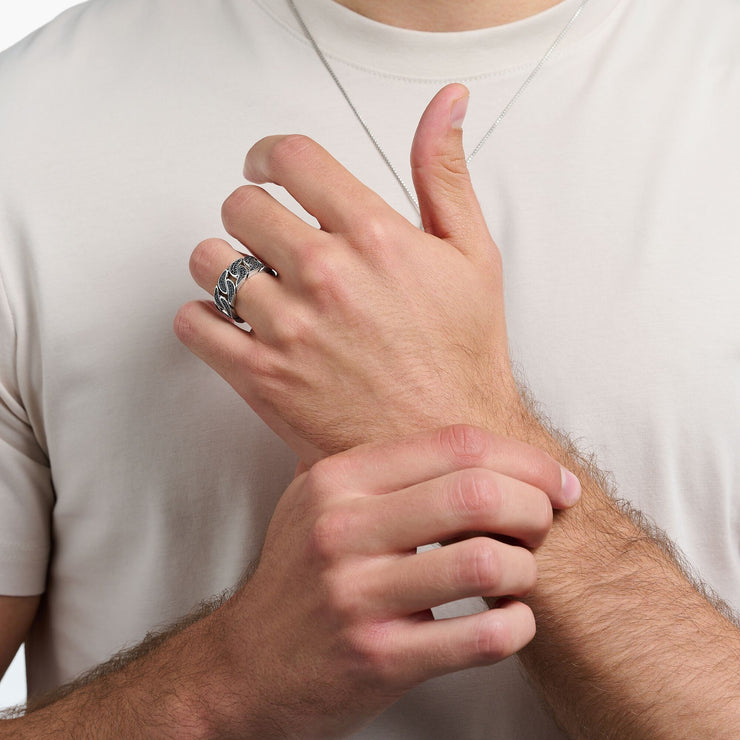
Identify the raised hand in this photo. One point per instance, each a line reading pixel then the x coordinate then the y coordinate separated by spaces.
pixel 373 327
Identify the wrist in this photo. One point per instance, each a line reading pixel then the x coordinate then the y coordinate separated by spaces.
pixel 206 696
pixel 509 411
pixel 219 701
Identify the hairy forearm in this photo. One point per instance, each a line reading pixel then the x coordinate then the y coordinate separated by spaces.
pixel 166 687
pixel 627 646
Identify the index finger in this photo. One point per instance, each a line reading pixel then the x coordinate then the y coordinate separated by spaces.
pixel 390 466
pixel 324 187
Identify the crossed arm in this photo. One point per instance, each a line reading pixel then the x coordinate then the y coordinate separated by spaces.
pixel 626 645
pixel 616 617
pixel 413 324
pixel 334 624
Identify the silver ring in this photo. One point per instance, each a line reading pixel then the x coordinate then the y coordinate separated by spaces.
pixel 230 281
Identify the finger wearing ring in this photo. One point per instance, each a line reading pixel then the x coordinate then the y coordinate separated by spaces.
pixel 231 279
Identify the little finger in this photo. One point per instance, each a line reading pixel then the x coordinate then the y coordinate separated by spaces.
pixel 238 357
pixel 220 344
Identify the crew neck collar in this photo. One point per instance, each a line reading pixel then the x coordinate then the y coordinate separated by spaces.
pixel 349 37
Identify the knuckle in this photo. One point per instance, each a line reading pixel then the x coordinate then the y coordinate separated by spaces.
pixel 322 275
pixel 494 641
pixel 183 324
pixel 244 199
pixel 468 445
pixel 294 329
pixel 371 229
pixel 476 494
pixel 287 151
pixel 342 600
pixel 370 647
pixel 205 256
pixel 322 478
pixel 318 272
pixel 328 534
pixel 498 638
pixel 479 564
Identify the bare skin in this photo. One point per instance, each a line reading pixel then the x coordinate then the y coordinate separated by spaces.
pixel 447 15
pixel 626 646
pixel 334 625
pixel 581 628
pixel 16 616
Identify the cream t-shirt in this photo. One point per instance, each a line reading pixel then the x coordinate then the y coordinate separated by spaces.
pixel 134 482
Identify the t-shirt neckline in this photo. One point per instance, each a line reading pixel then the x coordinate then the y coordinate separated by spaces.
pixel 351 38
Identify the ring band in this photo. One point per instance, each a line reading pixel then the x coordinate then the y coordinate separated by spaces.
pixel 230 281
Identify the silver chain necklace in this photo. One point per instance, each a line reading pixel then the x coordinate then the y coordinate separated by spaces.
pixel 406 189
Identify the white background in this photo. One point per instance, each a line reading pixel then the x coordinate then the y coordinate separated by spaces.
pixel 17 19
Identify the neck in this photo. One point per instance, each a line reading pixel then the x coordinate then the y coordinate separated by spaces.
pixel 447 15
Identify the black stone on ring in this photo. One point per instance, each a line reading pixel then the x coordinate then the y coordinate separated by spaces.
pixel 230 281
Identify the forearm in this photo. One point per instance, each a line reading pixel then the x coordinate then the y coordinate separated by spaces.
pixel 169 686
pixel 626 646
pixel 325 634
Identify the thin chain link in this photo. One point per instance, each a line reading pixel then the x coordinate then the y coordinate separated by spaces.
pixel 409 193
pixel 526 82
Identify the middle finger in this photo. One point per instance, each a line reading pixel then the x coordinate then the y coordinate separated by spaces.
pixel 272 232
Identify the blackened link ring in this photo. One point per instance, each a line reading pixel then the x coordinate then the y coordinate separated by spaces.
pixel 224 296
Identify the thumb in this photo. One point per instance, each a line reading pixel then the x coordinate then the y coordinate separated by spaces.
pixel 449 208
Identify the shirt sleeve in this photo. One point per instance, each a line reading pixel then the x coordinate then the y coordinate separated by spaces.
pixel 26 493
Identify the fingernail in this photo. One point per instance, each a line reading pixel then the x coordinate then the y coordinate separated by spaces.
pixel 570 487
pixel 457 114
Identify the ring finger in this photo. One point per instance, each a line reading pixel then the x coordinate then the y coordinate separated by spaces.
pixel 256 297
pixel 476 567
